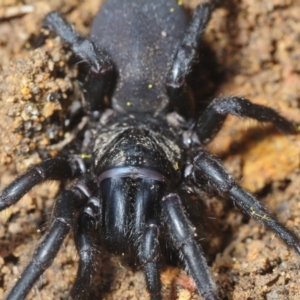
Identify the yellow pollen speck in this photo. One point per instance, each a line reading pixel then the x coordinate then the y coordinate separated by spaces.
pixel 83 156
pixel 150 86
pixel 128 103
pixel 255 214
pixel 120 264
pixel 172 9
pixel 180 2
pixel 176 165
pixel 297 126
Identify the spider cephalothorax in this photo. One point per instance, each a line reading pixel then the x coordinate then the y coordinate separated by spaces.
pixel 142 147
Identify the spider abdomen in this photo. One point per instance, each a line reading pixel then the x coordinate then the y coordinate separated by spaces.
pixel 140 38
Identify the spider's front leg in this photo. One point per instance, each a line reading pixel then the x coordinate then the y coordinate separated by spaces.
pixel 182 237
pixel 99 68
pixel 208 170
pixel 146 233
pixel 149 256
pixel 88 221
pixel 64 214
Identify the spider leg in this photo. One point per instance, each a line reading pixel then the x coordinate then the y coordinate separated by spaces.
pixel 185 57
pixel 149 256
pixel 98 63
pixel 54 168
pixel 182 234
pixel 63 218
pixel 209 171
pixel 88 221
pixel 145 232
pixel 212 119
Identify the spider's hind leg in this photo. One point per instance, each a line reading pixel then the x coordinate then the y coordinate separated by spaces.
pixel 185 57
pixel 98 64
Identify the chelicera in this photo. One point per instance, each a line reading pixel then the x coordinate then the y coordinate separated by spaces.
pixel 142 148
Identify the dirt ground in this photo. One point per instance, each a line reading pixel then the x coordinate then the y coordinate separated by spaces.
pixel 251 48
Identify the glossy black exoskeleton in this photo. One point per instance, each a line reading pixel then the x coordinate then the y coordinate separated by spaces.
pixel 141 148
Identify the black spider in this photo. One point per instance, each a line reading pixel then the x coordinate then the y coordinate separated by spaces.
pixel 139 157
